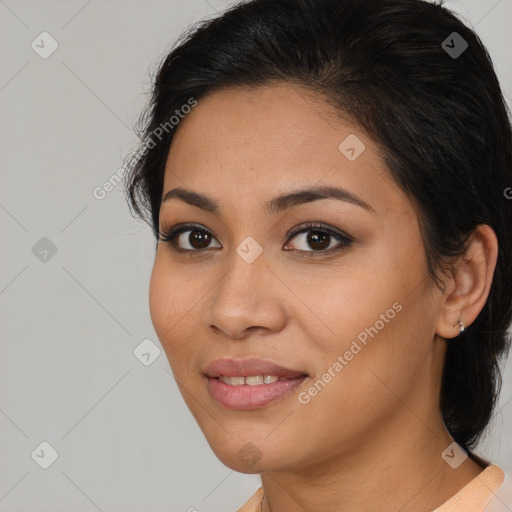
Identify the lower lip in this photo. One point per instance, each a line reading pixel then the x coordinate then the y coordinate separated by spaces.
pixel 251 397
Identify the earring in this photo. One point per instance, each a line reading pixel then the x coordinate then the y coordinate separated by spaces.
pixel 461 327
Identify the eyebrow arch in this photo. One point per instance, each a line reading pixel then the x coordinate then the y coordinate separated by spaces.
pixel 277 204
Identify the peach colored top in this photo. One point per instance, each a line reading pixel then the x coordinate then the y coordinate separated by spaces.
pixel 474 497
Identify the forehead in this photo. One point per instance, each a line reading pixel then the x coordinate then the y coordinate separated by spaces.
pixel 273 138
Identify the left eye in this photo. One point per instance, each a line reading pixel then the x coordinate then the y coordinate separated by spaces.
pixel 318 237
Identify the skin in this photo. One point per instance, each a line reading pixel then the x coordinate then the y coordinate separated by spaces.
pixel 378 421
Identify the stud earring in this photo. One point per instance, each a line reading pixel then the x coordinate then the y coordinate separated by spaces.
pixel 461 327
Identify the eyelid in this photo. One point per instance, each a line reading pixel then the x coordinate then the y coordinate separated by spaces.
pixel 169 235
pixel 321 226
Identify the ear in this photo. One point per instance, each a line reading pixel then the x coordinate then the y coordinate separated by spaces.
pixel 467 289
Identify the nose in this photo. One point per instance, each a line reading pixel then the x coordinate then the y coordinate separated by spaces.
pixel 248 298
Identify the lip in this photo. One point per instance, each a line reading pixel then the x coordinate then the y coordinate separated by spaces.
pixel 250 366
pixel 244 397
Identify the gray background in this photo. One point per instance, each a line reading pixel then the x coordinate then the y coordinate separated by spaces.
pixel 68 375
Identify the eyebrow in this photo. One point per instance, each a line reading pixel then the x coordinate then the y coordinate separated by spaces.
pixel 277 204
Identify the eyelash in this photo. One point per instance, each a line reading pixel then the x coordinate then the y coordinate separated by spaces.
pixel 169 236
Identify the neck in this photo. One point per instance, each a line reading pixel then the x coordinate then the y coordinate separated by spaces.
pixel 399 468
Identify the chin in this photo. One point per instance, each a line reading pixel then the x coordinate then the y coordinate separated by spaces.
pixel 247 456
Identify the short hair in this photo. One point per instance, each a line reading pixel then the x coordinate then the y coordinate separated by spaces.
pixel 434 108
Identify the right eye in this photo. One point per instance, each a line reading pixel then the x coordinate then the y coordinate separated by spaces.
pixel 197 239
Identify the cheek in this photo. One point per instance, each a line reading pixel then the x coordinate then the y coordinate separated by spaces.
pixel 159 300
pixel 359 384
pixel 358 306
pixel 384 354
pixel 165 303
pixel 371 320
pixel 171 305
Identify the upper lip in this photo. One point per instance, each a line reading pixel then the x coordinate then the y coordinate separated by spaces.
pixel 251 366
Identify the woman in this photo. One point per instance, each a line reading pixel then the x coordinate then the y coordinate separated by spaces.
pixel 327 182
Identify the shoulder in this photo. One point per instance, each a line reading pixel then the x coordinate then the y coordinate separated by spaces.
pixel 501 500
pixel 253 505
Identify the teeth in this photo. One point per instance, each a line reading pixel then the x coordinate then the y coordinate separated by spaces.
pixel 251 380
pixel 237 381
pixel 254 380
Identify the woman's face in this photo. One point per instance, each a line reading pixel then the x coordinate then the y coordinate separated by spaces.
pixel 357 316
